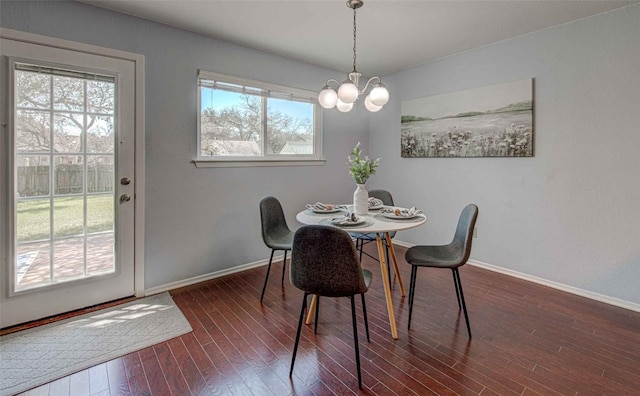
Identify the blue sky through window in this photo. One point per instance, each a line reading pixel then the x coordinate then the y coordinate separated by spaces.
pixel 226 99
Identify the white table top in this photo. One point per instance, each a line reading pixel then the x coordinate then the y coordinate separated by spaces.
pixel 375 221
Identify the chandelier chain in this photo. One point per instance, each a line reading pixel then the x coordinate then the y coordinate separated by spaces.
pixel 354 40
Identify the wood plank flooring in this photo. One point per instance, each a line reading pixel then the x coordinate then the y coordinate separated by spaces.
pixel 527 340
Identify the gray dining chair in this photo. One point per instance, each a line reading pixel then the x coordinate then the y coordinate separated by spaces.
pixel 275 234
pixel 451 256
pixel 325 263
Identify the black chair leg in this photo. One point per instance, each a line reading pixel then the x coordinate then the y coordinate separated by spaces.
pixel 295 346
pixel 364 313
pixel 412 293
pixel 464 306
pixel 315 325
pixel 355 340
pixel 455 282
pixel 284 267
pixel 266 278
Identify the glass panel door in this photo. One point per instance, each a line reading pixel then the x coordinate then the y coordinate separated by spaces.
pixel 64 189
pixel 69 199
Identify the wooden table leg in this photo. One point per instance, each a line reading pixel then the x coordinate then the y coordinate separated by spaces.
pixel 395 262
pixel 312 309
pixel 387 287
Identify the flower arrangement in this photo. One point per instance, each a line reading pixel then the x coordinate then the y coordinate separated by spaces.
pixel 361 168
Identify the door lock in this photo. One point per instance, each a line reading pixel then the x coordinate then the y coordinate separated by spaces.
pixel 125 181
pixel 125 198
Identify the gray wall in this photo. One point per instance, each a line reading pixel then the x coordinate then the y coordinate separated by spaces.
pixel 571 214
pixel 200 220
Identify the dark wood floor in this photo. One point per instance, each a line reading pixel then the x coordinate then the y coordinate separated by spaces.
pixel 527 340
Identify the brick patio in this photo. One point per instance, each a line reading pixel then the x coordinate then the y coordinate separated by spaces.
pixel 68 260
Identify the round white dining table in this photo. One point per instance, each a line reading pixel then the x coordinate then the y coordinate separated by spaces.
pixel 375 223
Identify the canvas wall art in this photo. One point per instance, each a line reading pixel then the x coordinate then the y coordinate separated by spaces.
pixel 491 121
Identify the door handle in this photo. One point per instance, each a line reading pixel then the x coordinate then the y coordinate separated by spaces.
pixel 125 198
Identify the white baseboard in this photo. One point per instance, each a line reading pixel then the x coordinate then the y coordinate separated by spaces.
pixel 555 285
pixel 560 286
pixel 210 275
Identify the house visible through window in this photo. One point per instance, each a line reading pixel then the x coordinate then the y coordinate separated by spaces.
pixel 242 120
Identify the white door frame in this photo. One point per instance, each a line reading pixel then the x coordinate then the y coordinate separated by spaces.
pixel 138 61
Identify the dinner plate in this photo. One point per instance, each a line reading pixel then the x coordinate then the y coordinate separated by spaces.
pixel 393 216
pixel 350 223
pixel 334 210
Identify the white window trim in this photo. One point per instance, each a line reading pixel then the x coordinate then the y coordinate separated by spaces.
pixel 265 160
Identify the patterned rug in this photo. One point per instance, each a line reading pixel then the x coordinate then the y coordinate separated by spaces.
pixel 33 357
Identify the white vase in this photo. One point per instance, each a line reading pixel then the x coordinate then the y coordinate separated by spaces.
pixel 361 200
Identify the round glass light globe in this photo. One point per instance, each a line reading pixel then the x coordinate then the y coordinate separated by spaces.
pixel 343 107
pixel 370 106
pixel 348 92
pixel 328 98
pixel 379 95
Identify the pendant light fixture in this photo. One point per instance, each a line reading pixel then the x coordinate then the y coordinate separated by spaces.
pixel 349 91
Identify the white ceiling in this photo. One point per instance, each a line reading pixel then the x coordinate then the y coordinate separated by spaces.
pixel 392 34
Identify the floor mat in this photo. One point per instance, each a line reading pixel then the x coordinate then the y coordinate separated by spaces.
pixel 33 357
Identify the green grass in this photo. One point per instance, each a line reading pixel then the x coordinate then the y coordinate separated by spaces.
pixel 34 218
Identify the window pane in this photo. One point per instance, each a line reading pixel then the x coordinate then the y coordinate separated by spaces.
pixel 68 216
pixel 100 97
pixel 33 219
pixel 230 123
pixel 290 127
pixel 67 132
pixel 68 177
pixel 100 173
pixel 68 259
pixel 33 90
pixel 100 254
pixel 99 213
pixel 33 131
pixel 33 265
pixel 33 175
pixel 68 94
pixel 100 134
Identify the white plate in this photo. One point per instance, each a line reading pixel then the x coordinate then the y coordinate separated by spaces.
pixel 393 216
pixel 350 223
pixel 334 210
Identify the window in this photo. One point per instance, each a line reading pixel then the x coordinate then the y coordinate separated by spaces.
pixel 250 123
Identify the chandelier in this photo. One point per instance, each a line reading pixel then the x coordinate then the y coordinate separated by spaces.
pixel 348 92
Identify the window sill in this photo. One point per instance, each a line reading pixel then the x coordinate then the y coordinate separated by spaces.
pixel 204 163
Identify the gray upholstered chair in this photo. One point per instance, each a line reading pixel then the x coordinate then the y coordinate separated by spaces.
pixel 275 233
pixel 324 262
pixel 451 256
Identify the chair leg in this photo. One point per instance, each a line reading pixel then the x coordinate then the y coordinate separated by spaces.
pixel 295 346
pixel 315 325
pixel 364 313
pixel 412 293
pixel 455 282
pixel 464 306
pixel 355 340
pixel 266 278
pixel 284 267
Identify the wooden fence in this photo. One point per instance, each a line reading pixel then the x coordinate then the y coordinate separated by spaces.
pixel 68 179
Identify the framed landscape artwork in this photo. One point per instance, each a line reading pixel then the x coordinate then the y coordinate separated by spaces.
pixel 492 121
